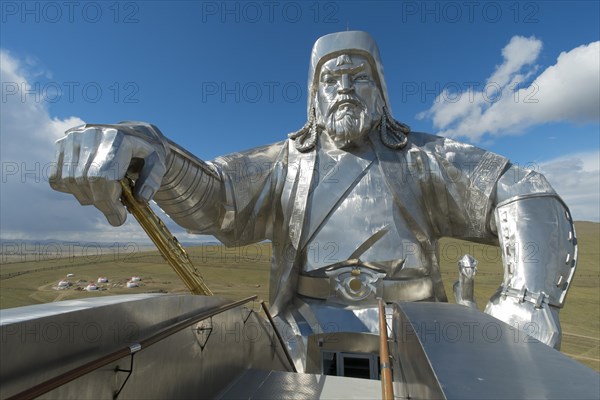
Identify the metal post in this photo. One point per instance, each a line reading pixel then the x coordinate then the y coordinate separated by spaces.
pixel 387 388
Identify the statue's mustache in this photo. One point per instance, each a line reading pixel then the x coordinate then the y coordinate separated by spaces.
pixel 345 99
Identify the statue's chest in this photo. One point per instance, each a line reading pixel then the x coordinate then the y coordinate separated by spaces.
pixel 345 213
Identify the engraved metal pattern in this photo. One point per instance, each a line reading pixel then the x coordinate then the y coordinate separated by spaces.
pixel 352 284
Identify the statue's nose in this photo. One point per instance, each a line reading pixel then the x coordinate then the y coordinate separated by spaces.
pixel 345 85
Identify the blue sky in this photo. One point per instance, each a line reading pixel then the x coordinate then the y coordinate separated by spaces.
pixel 218 77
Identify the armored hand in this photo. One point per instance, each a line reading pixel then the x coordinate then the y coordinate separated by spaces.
pixel 91 159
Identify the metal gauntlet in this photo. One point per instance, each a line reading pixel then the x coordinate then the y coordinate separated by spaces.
pixel 190 192
pixel 539 248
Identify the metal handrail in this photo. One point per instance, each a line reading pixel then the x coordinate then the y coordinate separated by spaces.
pixel 84 369
pixel 278 334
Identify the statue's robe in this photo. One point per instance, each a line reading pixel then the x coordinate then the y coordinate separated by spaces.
pixel 439 187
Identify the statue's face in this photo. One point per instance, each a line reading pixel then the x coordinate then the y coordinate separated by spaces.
pixel 348 99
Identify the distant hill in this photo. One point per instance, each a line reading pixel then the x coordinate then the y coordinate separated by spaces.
pixel 583 227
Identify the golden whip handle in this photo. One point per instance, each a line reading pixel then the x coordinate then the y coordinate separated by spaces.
pixel 167 244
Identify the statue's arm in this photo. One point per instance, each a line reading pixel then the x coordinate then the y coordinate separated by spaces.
pixel 229 197
pixel 192 192
pixel 539 253
pixel 489 200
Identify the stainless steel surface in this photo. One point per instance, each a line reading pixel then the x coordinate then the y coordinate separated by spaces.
pixel 367 288
pixel 192 191
pixel 27 313
pixel 115 355
pixel 352 171
pixel 539 247
pixel 91 160
pixel 282 342
pixel 342 43
pixel 438 351
pixel 41 342
pixel 348 101
pixel 258 384
pixel 454 352
pixel 541 229
pixel 464 288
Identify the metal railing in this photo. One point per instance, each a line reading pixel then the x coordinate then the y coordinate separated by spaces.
pixel 93 365
pixel 278 334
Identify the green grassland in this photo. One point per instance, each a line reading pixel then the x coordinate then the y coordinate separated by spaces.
pixel 240 272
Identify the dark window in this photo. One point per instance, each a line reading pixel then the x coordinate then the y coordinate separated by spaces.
pixel 353 365
pixel 357 367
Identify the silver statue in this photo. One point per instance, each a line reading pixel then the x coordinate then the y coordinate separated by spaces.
pixel 354 204
pixel 464 288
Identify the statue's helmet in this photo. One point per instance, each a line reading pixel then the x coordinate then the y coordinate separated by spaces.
pixel 335 44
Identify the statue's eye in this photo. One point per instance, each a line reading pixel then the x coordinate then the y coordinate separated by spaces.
pixel 362 78
pixel 330 81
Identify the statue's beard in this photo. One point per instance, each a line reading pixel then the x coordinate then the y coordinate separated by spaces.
pixel 347 122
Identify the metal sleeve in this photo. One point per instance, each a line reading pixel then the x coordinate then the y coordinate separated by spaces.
pixel 191 192
pixel 539 248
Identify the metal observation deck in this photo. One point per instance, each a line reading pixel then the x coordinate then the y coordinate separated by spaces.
pixel 187 346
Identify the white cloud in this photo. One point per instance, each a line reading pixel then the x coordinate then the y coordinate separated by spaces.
pixel 518 53
pixel 576 178
pixel 29 208
pixel 569 91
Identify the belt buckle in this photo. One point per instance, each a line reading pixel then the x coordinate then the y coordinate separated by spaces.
pixel 350 284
